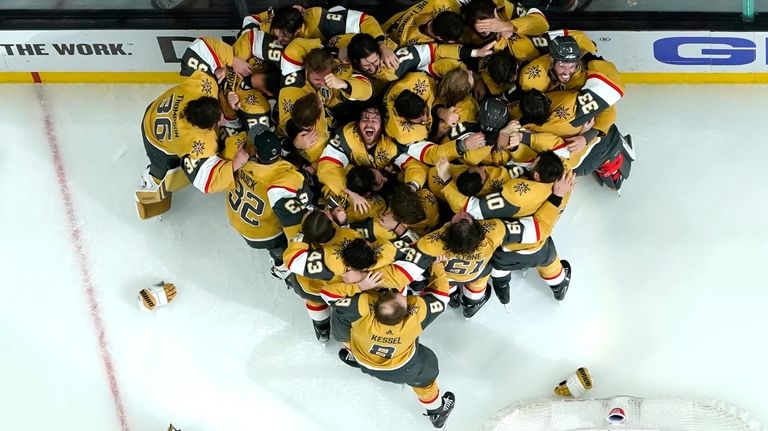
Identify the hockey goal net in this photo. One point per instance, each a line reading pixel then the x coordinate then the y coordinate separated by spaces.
pixel 646 414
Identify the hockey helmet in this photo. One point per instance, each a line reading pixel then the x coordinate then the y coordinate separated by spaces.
pixel 493 115
pixel 564 49
pixel 267 144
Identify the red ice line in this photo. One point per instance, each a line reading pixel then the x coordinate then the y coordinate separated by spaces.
pixel 82 261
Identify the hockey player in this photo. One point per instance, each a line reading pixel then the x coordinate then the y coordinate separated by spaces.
pixel 180 131
pixel 566 66
pixel 268 200
pixel 366 56
pixel 335 84
pixel 592 142
pixel 444 27
pixel 381 330
pixel 307 129
pixel 514 27
pixel 290 22
pixel 363 143
pixel 517 197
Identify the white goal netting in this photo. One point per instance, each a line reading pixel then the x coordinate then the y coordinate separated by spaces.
pixel 671 414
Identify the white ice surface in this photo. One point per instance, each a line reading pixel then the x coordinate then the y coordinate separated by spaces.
pixel 667 297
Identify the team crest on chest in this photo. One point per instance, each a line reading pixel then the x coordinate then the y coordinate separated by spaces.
pixel 420 87
pixel 561 112
pixel 407 126
pixel 522 188
pixel 250 99
pixel 207 87
pixel 198 147
pixel 287 106
pixel 534 72
pixel 496 185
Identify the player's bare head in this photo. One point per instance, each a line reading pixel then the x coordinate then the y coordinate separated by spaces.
pixel 455 86
pixel 306 111
pixel 406 205
pixel 390 308
pixel 470 182
pixel 369 126
pixel 548 167
pixel 286 24
pixel 463 235
pixel 364 181
pixel 476 10
pixel 318 63
pixel 358 254
pixel 535 107
pixel 364 53
pixel 410 106
pixel 502 67
pixel 447 27
pixel 317 227
pixel 266 82
pixel 203 112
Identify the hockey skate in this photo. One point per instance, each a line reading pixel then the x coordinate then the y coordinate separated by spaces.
pixel 346 356
pixel 280 272
pixel 440 415
pixel 455 299
pixel 501 289
pixel 322 330
pixel 470 308
pixel 560 290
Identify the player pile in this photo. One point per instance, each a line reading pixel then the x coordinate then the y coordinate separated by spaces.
pixel 391 169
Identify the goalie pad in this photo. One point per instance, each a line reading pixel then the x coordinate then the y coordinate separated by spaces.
pixel 575 385
pixel 156 296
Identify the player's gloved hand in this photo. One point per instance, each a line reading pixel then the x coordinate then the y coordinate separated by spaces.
pixel 156 296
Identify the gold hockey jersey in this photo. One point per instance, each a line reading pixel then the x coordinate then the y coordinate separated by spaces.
pixel 496 177
pixel 254 106
pixel 378 346
pixel 464 268
pixel 267 200
pixel 402 131
pixel 518 197
pixel 163 128
pixel 321 23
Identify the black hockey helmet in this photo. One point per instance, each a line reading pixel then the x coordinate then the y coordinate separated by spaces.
pixel 267 144
pixel 493 115
pixel 564 49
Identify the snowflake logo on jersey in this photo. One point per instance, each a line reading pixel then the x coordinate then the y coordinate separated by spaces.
pixel 561 112
pixel 340 67
pixel 411 41
pixel 438 180
pixel 198 147
pixel 377 248
pixel 240 143
pixel 412 309
pixel 514 38
pixel 434 237
pixel 382 157
pixel 250 99
pixel 522 188
pixel 430 198
pixel 333 42
pixel 340 248
pixel 420 87
pixel 407 126
pixel 207 87
pixel 287 106
pixel 534 72
pixel 442 8
pixel 496 185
